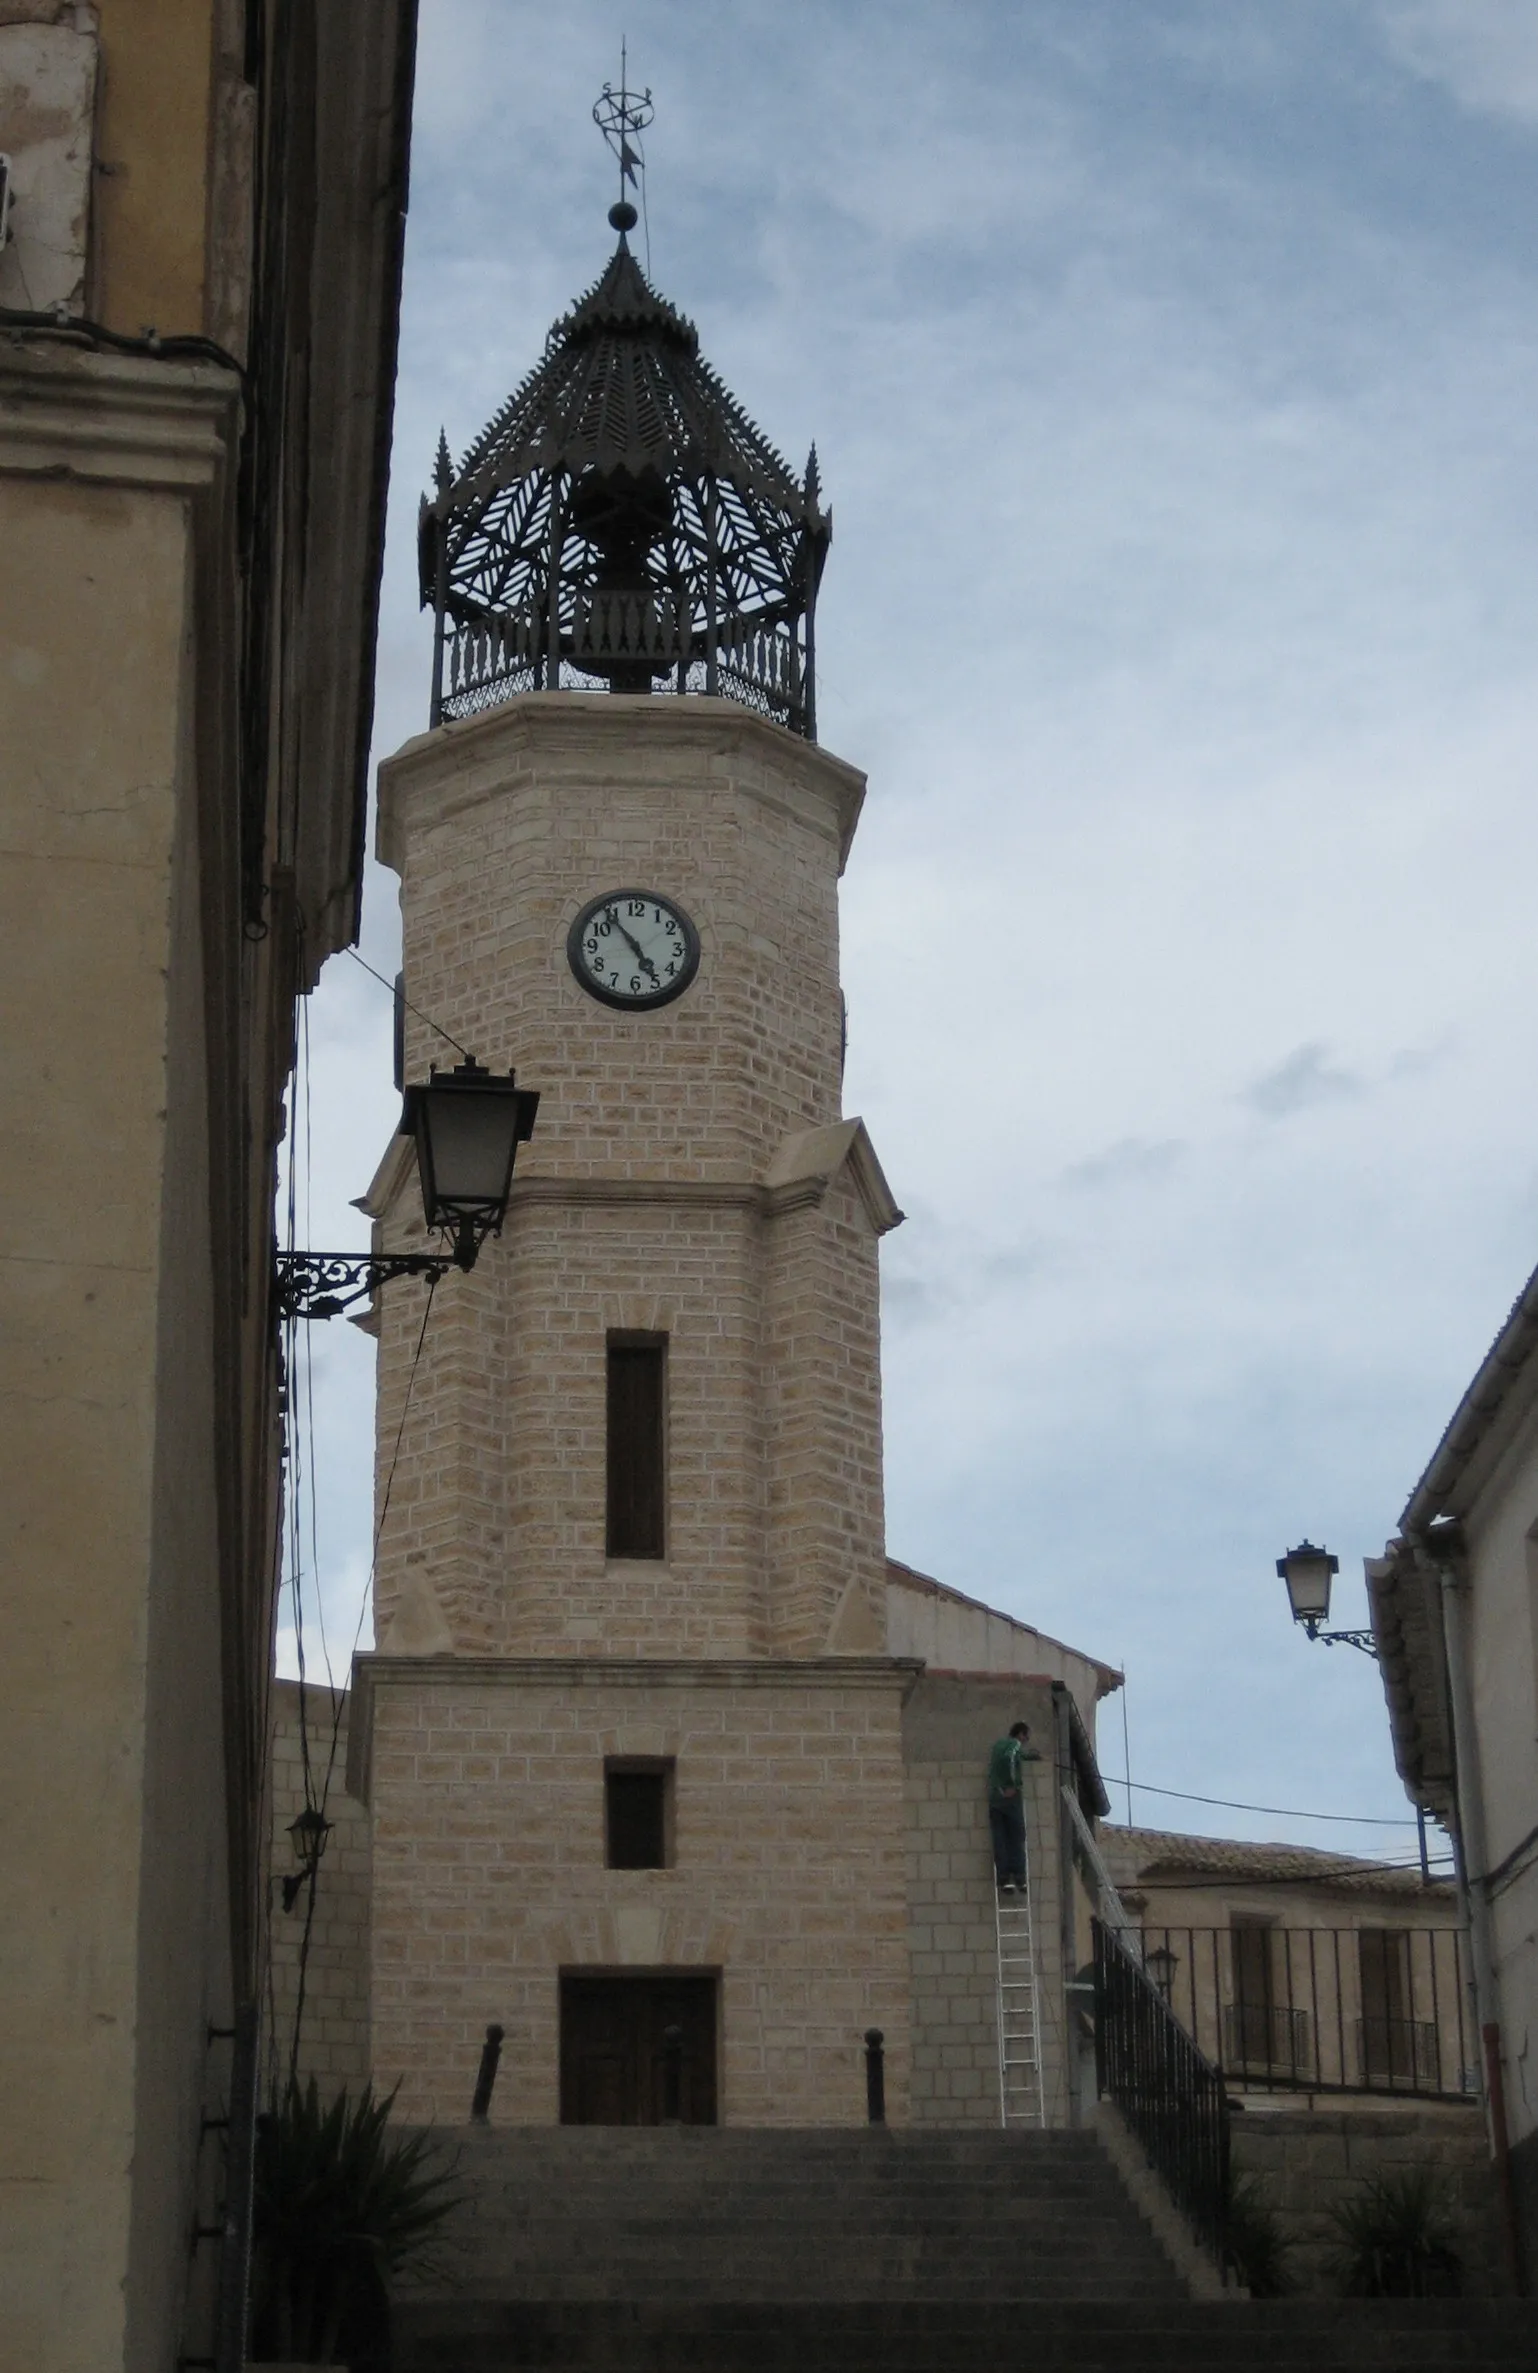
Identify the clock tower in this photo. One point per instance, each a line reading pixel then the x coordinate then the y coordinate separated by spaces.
pixel 631 1732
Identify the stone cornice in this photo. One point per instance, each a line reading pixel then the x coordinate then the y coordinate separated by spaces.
pixel 67 412
pixel 479 755
pixel 708 1194
pixel 373 1670
pixel 788 1187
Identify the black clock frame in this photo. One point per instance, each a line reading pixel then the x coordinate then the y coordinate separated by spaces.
pixel 654 998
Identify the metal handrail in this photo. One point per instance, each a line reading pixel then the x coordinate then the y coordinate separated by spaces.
pixel 1109 1904
pixel 1168 2091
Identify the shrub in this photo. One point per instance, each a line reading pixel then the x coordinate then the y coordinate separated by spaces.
pixel 1258 2242
pixel 1395 2240
pixel 340 2205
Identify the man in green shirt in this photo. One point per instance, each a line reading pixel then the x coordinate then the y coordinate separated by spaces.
pixel 1007 1759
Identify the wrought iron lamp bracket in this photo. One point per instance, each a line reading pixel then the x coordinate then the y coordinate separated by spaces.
pixel 323 1284
pixel 1352 1639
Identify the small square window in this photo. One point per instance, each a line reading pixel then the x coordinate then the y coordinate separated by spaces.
pixel 638 1807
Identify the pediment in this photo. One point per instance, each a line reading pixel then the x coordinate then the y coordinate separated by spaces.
pixel 809 1160
pixel 396 1168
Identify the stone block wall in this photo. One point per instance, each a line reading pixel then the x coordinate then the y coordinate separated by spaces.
pixel 486 1781
pixel 333 2032
pixel 774 1488
pixel 643 1200
pixel 822 1364
pixel 952 1936
pixel 502 827
pixel 1308 2160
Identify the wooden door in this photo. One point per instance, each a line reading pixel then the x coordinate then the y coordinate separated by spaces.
pixel 613 2056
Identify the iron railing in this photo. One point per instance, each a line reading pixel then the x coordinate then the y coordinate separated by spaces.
pixel 1322 2010
pixel 1169 2092
pixel 485 661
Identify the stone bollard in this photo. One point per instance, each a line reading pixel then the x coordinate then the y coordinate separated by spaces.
pixel 672 2075
pixel 486 2076
pixel 875 2076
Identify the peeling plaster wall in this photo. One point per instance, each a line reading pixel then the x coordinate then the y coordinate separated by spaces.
pixel 48 77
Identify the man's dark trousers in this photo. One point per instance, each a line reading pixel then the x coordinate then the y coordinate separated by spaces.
pixel 1007 1823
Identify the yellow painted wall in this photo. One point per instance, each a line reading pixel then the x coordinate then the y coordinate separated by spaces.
pixel 113 1873
pixel 153 151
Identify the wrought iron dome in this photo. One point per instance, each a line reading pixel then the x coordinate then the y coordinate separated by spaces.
pixel 622 522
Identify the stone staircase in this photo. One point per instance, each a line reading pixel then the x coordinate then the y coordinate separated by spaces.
pixel 706 2250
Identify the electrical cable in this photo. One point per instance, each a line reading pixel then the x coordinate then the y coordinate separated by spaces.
pixel 77 330
pixel 384 1510
pixel 309 1364
pixel 410 1008
pixel 1287 1812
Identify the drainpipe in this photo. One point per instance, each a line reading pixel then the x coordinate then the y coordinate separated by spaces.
pixel 1443 1544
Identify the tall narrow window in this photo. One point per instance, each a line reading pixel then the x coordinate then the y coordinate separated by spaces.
pixel 1392 2049
pixel 1255 2038
pixel 636 1510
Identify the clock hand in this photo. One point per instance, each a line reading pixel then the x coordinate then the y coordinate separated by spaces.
pixel 633 945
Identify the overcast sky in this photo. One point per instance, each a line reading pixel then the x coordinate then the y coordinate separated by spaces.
pixel 1174 375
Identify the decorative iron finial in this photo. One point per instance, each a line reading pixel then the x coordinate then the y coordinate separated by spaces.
pixel 622 116
pixel 813 479
pixel 443 468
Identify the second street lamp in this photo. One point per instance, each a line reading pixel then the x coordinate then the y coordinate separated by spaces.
pixel 309 1834
pixel 1309 1572
pixel 468 1124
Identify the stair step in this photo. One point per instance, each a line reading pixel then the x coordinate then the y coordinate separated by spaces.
pixel 470 2336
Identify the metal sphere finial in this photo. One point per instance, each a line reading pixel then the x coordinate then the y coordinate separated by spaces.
pixel 623 216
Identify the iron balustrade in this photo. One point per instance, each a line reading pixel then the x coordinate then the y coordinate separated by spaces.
pixel 1323 2010
pixel 488 660
pixel 1169 2092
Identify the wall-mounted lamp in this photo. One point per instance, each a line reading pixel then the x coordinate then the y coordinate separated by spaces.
pixel 1161 1965
pixel 1309 1572
pixel 309 1834
pixel 468 1126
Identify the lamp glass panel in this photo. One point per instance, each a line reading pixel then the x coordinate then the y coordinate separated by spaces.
pixel 470 1134
pixel 309 1834
pixel 1308 1587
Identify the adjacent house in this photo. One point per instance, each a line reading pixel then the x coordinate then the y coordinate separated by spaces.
pixel 1455 1613
pixel 1303 1975
pixel 200 247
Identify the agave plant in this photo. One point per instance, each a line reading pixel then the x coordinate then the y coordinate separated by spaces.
pixel 1395 2239
pixel 1257 2240
pixel 341 2204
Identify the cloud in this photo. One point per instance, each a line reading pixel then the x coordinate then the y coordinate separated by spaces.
pixel 1129 1160
pixel 1484 52
pixel 1304 1079
pixel 1174 385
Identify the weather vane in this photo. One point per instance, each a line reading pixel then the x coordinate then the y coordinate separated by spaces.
pixel 622 116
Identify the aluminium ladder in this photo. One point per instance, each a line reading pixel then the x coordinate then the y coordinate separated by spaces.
pixel 1021 2095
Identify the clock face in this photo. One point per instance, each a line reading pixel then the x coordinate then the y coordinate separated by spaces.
pixel 633 949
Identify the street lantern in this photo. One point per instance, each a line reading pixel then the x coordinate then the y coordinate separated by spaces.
pixel 467 1125
pixel 308 1835
pixel 1308 1573
pixel 1161 1965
